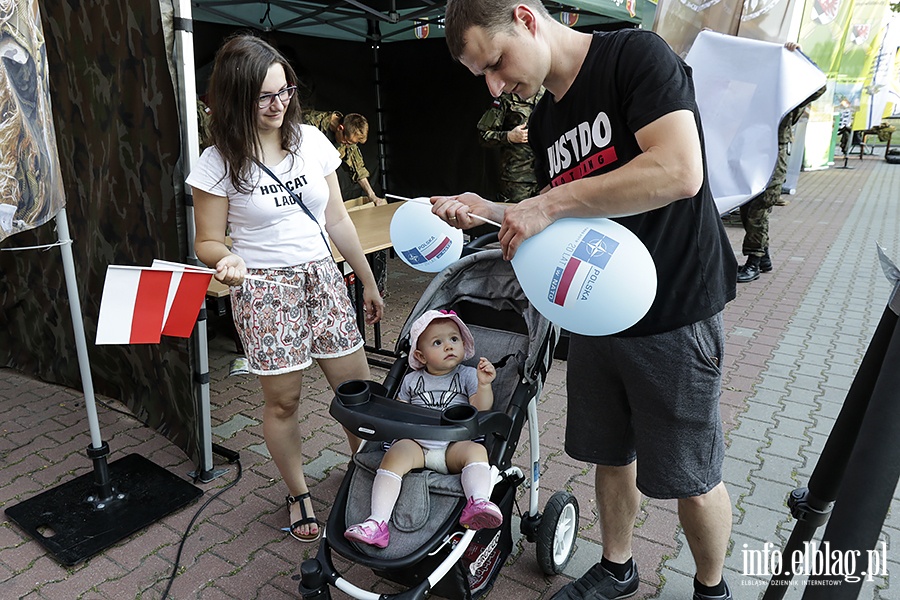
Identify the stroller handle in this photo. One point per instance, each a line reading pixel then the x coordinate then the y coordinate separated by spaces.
pixel 363 408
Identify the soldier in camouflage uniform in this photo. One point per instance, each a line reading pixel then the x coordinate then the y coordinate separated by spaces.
pixel 346 133
pixel 755 213
pixel 203 124
pixel 505 126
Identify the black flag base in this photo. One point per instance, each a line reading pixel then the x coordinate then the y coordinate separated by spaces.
pixel 83 517
pixel 845 165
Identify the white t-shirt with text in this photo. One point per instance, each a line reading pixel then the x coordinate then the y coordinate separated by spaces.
pixel 268 228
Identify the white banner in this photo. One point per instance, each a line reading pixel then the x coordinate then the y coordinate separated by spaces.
pixel 744 88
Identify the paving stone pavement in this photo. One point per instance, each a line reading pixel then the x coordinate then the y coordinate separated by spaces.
pixel 794 340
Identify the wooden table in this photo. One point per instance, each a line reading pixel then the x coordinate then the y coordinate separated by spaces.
pixel 862 141
pixel 373 226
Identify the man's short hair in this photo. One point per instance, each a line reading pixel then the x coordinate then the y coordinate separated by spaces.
pixel 356 125
pixel 490 15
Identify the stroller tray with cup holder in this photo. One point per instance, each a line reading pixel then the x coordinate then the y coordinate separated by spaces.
pixel 364 409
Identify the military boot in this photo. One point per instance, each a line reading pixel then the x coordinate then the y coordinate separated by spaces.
pixel 765 262
pixel 750 270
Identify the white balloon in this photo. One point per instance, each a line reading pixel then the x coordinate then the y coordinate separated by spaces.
pixel 422 240
pixel 589 276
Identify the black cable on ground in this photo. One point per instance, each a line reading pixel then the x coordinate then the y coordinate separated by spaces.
pixel 233 457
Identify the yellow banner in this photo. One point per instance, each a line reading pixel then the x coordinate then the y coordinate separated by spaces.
pixel 822 31
pixel 862 43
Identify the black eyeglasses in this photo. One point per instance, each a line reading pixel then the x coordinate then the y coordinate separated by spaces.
pixel 266 100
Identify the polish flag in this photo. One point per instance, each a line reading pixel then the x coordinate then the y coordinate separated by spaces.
pixel 133 305
pixel 140 304
pixel 592 253
pixel 187 292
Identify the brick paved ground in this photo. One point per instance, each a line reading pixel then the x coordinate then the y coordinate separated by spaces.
pixel 795 338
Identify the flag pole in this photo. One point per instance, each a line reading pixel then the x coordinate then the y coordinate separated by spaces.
pixel 99 449
pixel 96 510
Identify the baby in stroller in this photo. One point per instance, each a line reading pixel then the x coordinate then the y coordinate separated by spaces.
pixel 440 342
pixel 430 553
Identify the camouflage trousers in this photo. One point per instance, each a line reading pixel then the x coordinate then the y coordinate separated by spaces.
pixel 755 219
pixel 516 191
pixel 755 213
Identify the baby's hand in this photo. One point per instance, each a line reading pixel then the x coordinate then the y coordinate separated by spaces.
pixel 486 371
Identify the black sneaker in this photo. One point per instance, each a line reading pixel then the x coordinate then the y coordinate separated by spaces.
pixel 725 596
pixel 599 584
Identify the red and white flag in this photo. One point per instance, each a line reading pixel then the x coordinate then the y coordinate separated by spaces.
pixel 140 304
pixel 187 292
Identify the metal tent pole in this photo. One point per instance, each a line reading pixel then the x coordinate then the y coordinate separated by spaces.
pixel 856 474
pixel 190 150
pixel 379 109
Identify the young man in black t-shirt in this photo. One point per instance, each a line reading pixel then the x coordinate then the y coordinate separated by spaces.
pixel 618 135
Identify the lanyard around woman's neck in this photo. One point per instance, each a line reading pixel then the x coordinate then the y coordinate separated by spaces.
pixel 298 201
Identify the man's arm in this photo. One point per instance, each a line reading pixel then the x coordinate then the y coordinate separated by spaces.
pixel 670 168
pixel 364 184
pixel 492 127
pixel 360 174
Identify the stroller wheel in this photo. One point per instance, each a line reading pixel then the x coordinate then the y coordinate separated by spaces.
pixel 557 532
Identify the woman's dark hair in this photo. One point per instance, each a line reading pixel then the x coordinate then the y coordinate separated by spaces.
pixel 241 65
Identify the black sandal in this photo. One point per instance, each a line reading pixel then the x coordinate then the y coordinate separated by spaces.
pixel 304 519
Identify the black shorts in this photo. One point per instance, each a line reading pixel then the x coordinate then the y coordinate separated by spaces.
pixel 653 398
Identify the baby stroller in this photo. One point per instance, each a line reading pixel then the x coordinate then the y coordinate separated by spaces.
pixel 430 552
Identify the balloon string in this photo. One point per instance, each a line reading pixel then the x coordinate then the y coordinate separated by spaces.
pixel 250 277
pixel 263 280
pixel 424 201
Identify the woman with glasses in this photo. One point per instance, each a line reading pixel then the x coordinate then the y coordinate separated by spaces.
pixel 270 181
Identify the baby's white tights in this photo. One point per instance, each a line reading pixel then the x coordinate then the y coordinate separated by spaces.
pixel 475 478
pixel 385 491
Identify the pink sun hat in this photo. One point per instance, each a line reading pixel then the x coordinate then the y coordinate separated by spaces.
pixel 425 320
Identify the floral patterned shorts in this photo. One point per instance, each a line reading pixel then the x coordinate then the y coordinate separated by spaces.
pixel 304 313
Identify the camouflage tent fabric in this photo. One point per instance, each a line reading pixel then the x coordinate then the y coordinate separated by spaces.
pixel 117 131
